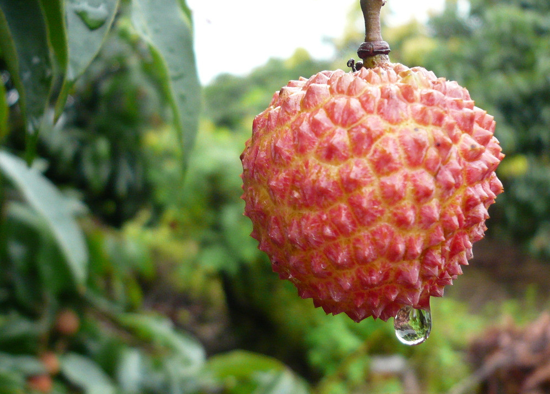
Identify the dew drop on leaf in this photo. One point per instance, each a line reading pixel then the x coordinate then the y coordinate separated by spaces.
pixel 93 17
pixel 412 326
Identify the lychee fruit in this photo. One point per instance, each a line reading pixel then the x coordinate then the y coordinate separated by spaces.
pixel 40 383
pixel 67 322
pixel 367 189
pixel 51 362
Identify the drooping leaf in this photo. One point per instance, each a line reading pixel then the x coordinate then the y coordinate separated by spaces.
pixel 37 251
pixel 43 196
pixel 24 43
pixel 167 27
pixel 86 374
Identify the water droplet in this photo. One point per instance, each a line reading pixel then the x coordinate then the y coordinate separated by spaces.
pixel 93 17
pixel 412 326
pixel 12 97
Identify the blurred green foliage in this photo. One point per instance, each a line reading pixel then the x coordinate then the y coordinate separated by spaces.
pixel 137 271
pixel 500 52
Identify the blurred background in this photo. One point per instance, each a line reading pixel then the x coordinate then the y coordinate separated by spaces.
pixel 126 265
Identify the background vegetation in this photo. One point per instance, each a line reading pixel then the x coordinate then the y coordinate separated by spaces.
pixel 126 265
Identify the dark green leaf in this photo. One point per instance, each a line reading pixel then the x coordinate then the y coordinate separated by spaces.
pixel 55 19
pixel 43 196
pixel 17 332
pixel 22 239
pixel 11 383
pixel 34 250
pixel 4 112
pixel 54 10
pixel 24 43
pixel 167 28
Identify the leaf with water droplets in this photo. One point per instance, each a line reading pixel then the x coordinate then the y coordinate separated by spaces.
pixel 88 23
pixel 412 326
pixel 24 45
pixel 166 26
pixel 93 17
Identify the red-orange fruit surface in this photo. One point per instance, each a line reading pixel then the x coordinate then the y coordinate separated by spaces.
pixel 368 189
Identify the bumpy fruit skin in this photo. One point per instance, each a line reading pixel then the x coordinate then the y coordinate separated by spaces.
pixel 368 189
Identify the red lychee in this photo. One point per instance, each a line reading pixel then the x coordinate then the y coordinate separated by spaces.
pixel 51 362
pixel 40 383
pixel 67 322
pixel 367 189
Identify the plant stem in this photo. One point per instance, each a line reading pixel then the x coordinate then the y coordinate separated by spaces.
pixel 374 51
pixel 371 12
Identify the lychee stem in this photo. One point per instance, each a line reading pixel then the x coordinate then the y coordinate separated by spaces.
pixel 374 51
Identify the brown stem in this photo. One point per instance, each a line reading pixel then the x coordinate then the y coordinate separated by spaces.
pixel 371 12
pixel 374 50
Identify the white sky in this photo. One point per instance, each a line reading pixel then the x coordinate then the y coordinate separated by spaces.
pixel 236 36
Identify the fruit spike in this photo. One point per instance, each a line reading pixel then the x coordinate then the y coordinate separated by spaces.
pixel 367 189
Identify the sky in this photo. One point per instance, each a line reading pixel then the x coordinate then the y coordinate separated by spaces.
pixel 235 36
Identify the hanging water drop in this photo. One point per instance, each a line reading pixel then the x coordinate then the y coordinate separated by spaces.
pixel 93 17
pixel 412 326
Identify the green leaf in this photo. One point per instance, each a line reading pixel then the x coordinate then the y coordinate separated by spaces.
pixel 43 196
pixel 166 26
pixel 11 383
pixel 24 228
pixel 130 370
pixel 88 23
pixel 284 382
pixel 4 112
pixel 36 250
pixel 264 374
pixel 54 11
pixel 161 331
pixel 24 44
pixel 26 365
pixel 86 374
pixel 18 333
